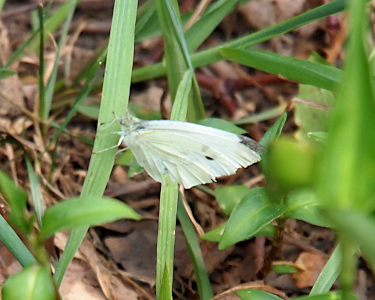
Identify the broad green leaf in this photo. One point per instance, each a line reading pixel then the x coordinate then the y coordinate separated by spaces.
pixel 253 212
pixel 215 234
pixel 229 196
pixel 303 205
pixel 84 211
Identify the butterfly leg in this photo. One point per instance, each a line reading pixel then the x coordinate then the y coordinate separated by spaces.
pixel 109 148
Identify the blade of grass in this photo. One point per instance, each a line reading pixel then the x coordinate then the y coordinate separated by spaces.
pixel 53 22
pixel 177 56
pixel 166 235
pixel 211 18
pixel 312 73
pixel 90 83
pixel 168 200
pixel 117 80
pixel 36 195
pixel 200 273
pixel 47 97
pixel 346 184
pixel 41 86
pixel 329 274
pixel 11 240
pixel 213 55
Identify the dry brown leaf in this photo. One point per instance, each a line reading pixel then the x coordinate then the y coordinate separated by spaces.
pixel 312 265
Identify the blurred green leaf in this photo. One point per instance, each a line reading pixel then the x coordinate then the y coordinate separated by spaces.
pixel 320 137
pixel 251 294
pixel 348 177
pixel 16 197
pixel 84 211
pixel 356 226
pixel 252 213
pixel 33 283
pixel 290 164
pixel 89 110
pixel 312 110
pixel 5 73
pixel 284 269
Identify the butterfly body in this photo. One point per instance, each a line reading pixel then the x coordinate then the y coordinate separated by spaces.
pixel 189 153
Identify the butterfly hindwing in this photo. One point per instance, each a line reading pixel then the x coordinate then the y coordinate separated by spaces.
pixel 191 154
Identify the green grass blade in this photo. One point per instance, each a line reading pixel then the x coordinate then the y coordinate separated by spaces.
pixel 41 86
pixel 213 55
pixel 177 57
pixel 47 99
pixel 116 81
pixel 312 73
pixel 166 234
pixel 180 106
pixel 36 195
pixel 11 240
pixel 200 273
pixel 329 274
pixel 90 83
pixel 212 17
pixel 53 22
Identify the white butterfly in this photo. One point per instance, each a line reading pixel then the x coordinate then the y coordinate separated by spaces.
pixel 189 153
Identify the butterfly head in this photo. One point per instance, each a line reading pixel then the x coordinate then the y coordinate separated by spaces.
pixel 128 121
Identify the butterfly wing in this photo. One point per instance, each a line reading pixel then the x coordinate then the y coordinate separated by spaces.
pixel 191 154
